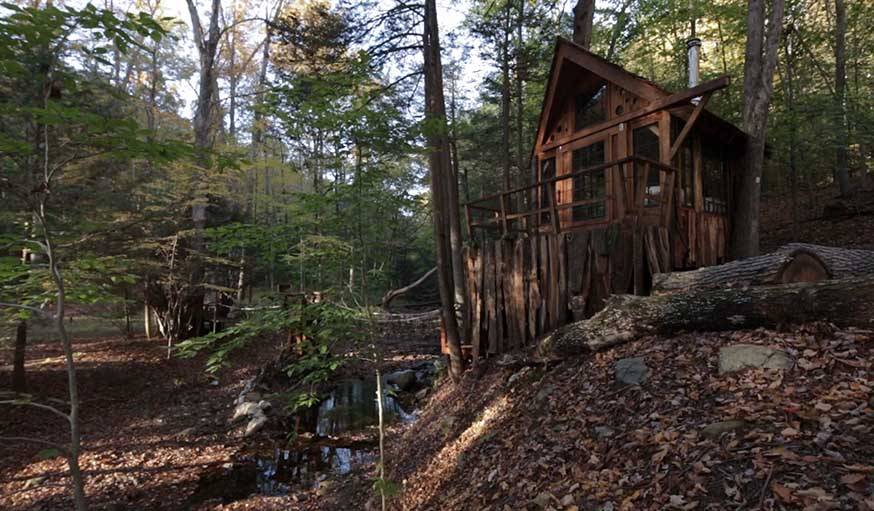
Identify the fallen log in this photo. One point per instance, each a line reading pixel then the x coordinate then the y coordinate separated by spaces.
pixel 844 302
pixel 394 293
pixel 796 262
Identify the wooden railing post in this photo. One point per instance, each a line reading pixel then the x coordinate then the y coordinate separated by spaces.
pixel 504 213
pixel 467 217
pixel 553 215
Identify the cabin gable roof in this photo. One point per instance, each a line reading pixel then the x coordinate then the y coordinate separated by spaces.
pixel 572 63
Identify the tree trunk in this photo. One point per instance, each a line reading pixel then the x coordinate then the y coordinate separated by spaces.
pixel 789 85
pixel 760 60
pixel 584 15
pixel 842 170
pixel 796 262
pixel 438 147
pixel 844 302
pixel 520 105
pixel 505 101
pixel 19 374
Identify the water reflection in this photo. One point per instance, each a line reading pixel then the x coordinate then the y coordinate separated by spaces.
pixel 352 405
pixel 287 469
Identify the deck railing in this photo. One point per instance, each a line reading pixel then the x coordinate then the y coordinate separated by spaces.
pixel 538 208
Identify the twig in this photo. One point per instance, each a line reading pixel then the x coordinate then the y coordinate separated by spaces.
pixel 18 402
pixel 765 488
pixel 57 446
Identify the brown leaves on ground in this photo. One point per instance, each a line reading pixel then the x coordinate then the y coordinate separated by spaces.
pixel 571 438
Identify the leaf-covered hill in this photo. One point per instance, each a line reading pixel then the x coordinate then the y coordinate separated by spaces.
pixel 572 437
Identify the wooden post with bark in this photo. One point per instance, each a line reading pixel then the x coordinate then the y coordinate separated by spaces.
pixel 441 196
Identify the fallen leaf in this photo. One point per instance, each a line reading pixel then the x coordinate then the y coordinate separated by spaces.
pixel 783 493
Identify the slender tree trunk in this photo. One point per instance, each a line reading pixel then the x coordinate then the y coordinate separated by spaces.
pixel 19 374
pixel 618 28
pixel 584 15
pixel 505 101
pixel 438 146
pixel 842 170
pixel 520 100
pixel 789 85
pixel 760 60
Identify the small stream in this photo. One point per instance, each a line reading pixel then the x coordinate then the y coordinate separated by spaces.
pixel 349 410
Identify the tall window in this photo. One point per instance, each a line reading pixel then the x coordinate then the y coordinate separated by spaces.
pixel 714 179
pixel 589 186
pixel 589 108
pixel 646 145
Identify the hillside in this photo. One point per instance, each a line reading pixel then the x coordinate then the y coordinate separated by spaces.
pixel 571 437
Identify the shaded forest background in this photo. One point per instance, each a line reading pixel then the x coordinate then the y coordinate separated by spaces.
pixel 315 173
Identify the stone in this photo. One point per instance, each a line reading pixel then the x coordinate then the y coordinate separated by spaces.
pixel 603 431
pixel 716 429
pixel 751 356
pixel 265 405
pixel 244 410
pixel 422 394
pixel 403 379
pixel 255 424
pixel 189 431
pixel 518 375
pixel 631 371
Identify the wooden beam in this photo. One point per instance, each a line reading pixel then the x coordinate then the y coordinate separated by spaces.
pixel 611 72
pixel 655 106
pixel 690 122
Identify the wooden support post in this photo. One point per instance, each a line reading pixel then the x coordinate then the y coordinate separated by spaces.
pixel 640 198
pixel 690 122
pixel 467 217
pixel 504 214
pixel 553 214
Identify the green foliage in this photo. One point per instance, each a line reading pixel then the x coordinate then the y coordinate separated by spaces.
pixel 386 487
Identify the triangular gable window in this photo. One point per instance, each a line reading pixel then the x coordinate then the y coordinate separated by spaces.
pixel 589 108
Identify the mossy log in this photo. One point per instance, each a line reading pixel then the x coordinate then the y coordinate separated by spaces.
pixel 844 302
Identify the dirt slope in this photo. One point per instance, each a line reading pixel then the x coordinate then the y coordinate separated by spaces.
pixel 570 437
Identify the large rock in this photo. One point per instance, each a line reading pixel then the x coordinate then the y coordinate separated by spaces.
pixel 255 424
pixel 245 410
pixel 716 429
pixel 751 356
pixel 404 379
pixel 631 371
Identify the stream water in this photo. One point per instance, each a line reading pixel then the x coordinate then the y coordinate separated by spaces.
pixel 350 408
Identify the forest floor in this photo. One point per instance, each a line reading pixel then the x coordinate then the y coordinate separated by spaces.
pixel 570 437
pixel 153 429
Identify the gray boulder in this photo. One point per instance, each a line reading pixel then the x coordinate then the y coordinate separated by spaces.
pixel 255 423
pixel 245 410
pixel 751 356
pixel 716 429
pixel 404 379
pixel 631 371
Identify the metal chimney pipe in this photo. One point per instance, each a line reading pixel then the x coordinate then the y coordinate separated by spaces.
pixel 693 53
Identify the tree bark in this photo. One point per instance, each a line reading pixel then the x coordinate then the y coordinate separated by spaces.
pixel 19 374
pixel 584 15
pixel 505 100
pixel 844 302
pixel 842 170
pixel 796 262
pixel 760 60
pixel 438 147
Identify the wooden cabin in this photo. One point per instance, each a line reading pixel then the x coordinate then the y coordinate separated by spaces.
pixel 627 180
